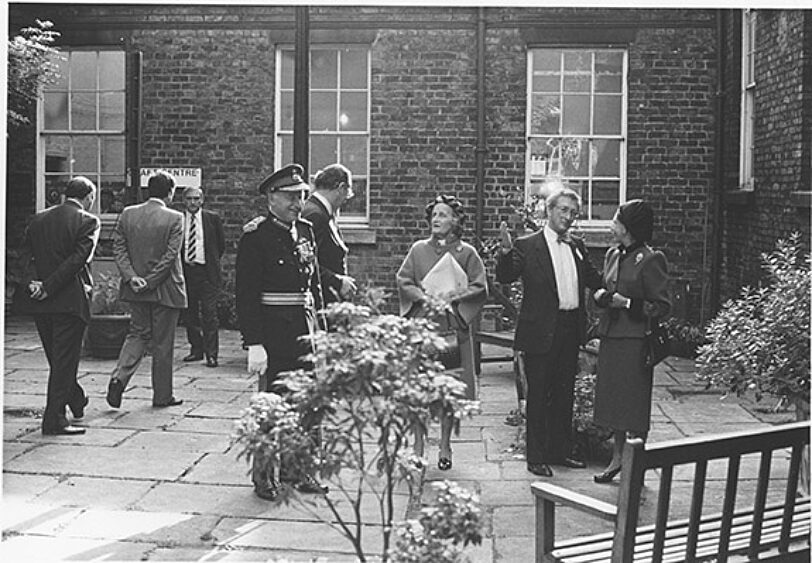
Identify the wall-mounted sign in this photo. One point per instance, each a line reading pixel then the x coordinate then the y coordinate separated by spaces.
pixel 184 177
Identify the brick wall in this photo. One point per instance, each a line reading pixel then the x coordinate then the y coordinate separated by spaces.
pixel 783 68
pixel 208 101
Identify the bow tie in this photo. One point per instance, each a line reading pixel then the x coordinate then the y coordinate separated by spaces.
pixel 565 238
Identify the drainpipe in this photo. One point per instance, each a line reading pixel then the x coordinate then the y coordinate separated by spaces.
pixel 301 90
pixel 481 141
pixel 718 209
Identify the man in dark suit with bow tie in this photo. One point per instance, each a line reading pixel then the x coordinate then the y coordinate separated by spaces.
pixel 332 187
pixel 59 244
pixel 203 245
pixel 554 268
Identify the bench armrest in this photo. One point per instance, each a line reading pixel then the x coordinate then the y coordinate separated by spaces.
pixel 566 497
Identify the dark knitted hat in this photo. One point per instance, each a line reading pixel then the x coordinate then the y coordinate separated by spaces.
pixel 638 217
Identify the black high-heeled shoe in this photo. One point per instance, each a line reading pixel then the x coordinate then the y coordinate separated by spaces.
pixel 607 476
pixel 444 463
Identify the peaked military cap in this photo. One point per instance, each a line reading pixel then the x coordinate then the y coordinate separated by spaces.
pixel 286 179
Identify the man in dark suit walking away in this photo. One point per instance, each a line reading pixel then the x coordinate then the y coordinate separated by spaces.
pixel 147 243
pixel 59 244
pixel 332 188
pixel 554 268
pixel 203 245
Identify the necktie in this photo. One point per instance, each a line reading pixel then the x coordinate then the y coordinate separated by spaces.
pixel 191 242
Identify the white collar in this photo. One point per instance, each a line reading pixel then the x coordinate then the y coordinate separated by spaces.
pixel 324 202
pixel 550 234
pixel 157 200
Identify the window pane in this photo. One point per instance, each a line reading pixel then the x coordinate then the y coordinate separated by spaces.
pixel 111 70
pixel 580 82
pixel 547 59
pixel 575 157
pixel 547 82
pixel 605 199
pixel 287 70
pixel 323 151
pixel 83 111
pixel 287 148
pixel 112 155
pixel 57 153
pixel 286 111
pixel 356 207
pixel 323 68
pixel 85 155
pixel 353 68
pixel 544 158
pixel 322 111
pixel 609 69
pixel 111 112
pixel 576 115
pixel 83 70
pixel 606 158
pixel 578 60
pixel 112 194
pixel 54 188
pixel 607 115
pixel 354 154
pixel 56 111
pixel 546 115
pixel 353 116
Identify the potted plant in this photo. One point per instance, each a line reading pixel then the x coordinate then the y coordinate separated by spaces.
pixel 376 380
pixel 109 318
pixel 759 343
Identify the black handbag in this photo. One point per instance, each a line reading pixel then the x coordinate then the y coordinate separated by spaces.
pixel 656 343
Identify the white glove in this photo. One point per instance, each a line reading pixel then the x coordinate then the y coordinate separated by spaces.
pixel 257 359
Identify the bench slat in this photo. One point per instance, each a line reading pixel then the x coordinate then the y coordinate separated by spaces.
pixel 761 500
pixel 567 497
pixel 792 487
pixel 729 504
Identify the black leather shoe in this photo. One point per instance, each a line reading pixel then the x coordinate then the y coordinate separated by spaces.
pixel 173 402
pixel 540 469
pixel 211 362
pixel 114 391
pixel 309 485
pixel 607 476
pixel 444 463
pixel 79 411
pixel 193 358
pixel 573 463
pixel 266 492
pixel 63 431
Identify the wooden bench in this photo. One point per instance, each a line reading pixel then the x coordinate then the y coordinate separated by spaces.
pixel 756 531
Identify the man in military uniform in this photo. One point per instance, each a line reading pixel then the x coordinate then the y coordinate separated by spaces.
pixel 276 289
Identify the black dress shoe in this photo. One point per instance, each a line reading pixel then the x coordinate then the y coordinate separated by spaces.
pixel 114 391
pixel 444 463
pixel 193 358
pixel 540 469
pixel 309 485
pixel 173 402
pixel 573 463
pixel 266 492
pixel 63 431
pixel 211 362
pixel 607 476
pixel 79 411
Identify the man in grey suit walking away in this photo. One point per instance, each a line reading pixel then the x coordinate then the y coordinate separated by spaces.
pixel 147 243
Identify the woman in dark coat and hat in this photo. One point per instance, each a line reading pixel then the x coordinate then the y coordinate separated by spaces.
pixel 635 294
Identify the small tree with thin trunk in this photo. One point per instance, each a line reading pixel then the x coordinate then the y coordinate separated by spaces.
pixel 350 422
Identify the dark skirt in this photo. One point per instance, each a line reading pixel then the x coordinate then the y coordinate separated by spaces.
pixel 623 388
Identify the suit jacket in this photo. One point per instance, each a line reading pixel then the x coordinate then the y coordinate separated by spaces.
pixel 214 244
pixel 146 243
pixel 332 252
pixel 530 260
pixel 642 275
pixel 59 244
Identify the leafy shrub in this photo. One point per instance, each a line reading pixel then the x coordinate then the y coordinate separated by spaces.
pixel 376 381
pixel 686 338
pixel 760 341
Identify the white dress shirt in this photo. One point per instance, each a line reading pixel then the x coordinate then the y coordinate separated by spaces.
pixel 566 273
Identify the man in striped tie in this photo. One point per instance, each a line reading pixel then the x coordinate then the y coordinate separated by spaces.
pixel 204 244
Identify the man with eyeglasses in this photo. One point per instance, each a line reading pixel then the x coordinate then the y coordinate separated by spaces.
pixel 554 268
